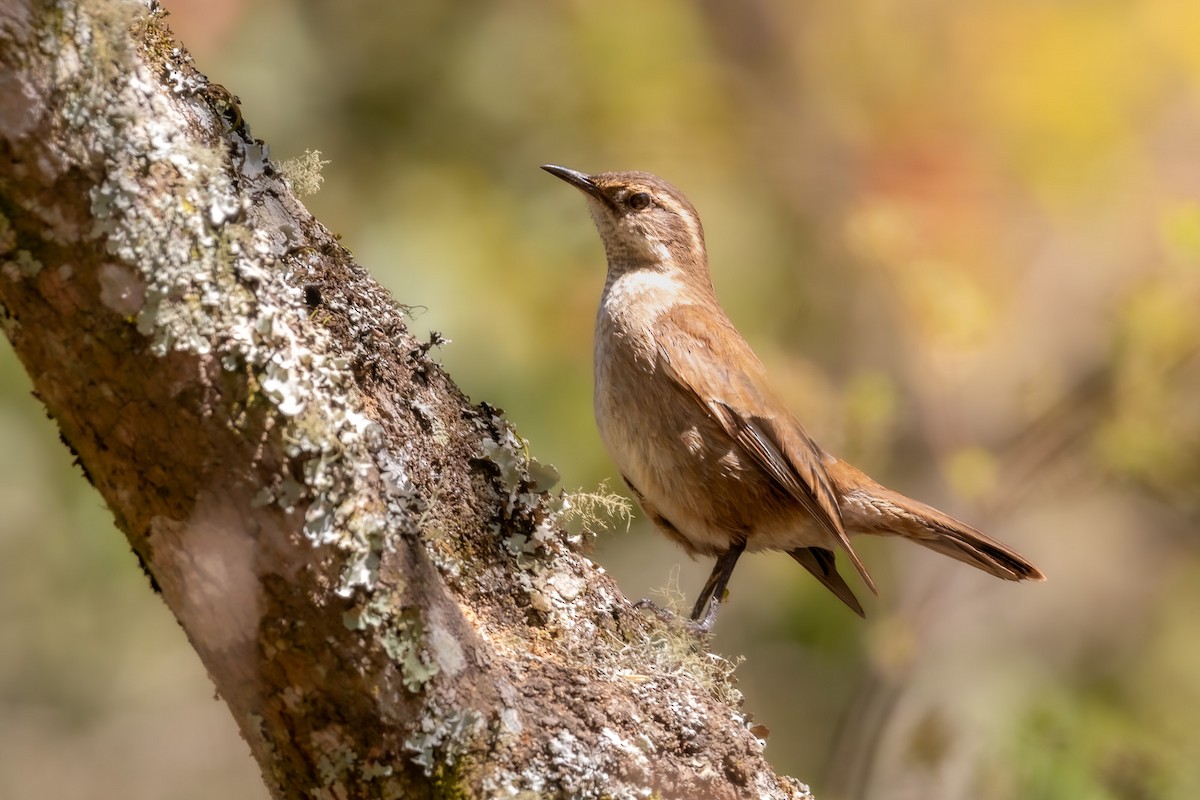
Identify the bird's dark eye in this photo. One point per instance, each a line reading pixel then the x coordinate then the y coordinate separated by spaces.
pixel 638 201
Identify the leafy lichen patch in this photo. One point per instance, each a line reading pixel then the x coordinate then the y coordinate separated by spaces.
pixel 197 283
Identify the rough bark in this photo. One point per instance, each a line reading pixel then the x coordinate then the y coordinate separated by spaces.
pixel 369 566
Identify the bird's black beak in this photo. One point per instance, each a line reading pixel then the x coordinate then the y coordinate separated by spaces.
pixel 579 180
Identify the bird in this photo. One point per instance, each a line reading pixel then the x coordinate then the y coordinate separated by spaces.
pixel 708 448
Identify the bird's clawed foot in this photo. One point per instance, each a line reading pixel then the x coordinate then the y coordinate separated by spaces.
pixel 704 627
pixel 704 613
pixel 665 614
pixel 699 629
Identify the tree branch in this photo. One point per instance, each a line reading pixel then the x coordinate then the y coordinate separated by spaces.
pixel 368 565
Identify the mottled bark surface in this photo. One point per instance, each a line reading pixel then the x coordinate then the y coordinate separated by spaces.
pixel 364 561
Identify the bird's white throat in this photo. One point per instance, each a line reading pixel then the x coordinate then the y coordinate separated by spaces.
pixel 638 297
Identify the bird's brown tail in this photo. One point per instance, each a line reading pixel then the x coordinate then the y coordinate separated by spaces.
pixel 868 507
pixel 937 531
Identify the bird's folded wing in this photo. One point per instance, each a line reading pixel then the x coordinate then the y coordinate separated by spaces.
pixel 713 364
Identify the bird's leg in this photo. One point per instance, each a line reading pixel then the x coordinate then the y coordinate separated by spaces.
pixel 714 587
pixel 710 595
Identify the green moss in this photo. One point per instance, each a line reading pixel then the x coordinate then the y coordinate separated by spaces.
pixel 449 781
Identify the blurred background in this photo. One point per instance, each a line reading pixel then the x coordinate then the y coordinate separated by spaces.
pixel 965 239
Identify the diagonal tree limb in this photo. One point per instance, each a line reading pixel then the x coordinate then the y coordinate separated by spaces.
pixel 362 559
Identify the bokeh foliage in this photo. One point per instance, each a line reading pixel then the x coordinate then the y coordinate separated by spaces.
pixel 964 237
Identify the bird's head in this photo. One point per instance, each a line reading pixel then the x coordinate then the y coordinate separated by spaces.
pixel 644 222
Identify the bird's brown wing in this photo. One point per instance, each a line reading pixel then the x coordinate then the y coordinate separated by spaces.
pixel 711 362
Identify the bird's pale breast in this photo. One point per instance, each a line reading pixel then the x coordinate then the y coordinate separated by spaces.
pixel 675 455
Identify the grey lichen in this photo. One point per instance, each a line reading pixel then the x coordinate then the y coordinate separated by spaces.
pixel 402 635
pixel 441 739
pixel 303 173
pixel 550 567
pixel 339 767
pixel 336 759
pixel 523 475
pixel 199 279
pixel 658 664
pixel 586 512
pixel 23 266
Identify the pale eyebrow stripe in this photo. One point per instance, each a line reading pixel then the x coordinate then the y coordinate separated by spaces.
pixel 689 218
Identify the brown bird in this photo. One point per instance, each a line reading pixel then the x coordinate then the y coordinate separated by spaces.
pixel 707 447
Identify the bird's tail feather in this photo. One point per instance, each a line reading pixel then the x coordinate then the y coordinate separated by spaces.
pixel 820 562
pixel 927 526
pixel 868 507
